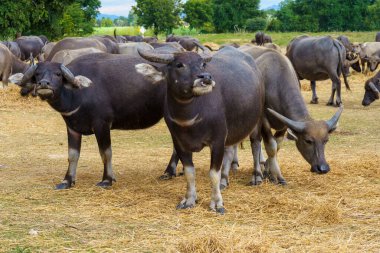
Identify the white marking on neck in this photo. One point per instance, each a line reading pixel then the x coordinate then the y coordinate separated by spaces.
pixel 68 114
pixel 186 123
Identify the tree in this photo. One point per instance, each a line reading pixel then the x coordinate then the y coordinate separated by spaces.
pixel 121 21
pixel 106 22
pixel 132 18
pixel 373 18
pixel 161 15
pixel 229 14
pixel 41 17
pixel 256 24
pixel 199 14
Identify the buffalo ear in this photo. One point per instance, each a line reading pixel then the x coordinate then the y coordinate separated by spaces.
pixel 16 78
pixel 149 72
pixel 83 82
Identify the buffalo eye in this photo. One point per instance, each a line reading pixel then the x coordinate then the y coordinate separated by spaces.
pixel 309 141
pixel 179 65
pixel 58 74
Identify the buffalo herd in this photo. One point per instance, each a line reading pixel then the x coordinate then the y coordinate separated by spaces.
pixel 207 98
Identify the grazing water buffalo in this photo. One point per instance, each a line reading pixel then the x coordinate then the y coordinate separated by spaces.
pixel 372 88
pixel 317 59
pixel 211 101
pixel 369 53
pixel 187 42
pixel 287 110
pixel 377 39
pixel 9 64
pixel 76 43
pixel 29 45
pixel 13 47
pixel 116 97
pixel 66 56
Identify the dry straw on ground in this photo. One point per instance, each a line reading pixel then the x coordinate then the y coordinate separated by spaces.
pixel 337 212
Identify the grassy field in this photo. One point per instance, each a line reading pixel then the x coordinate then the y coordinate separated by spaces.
pixel 337 212
pixel 281 39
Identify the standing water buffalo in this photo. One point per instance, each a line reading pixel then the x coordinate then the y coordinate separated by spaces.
pixel 377 39
pixel 372 90
pixel 13 47
pixel 8 64
pixel 30 45
pixel 287 110
pixel 213 102
pixel 352 59
pixel 75 43
pixel 369 53
pixel 317 59
pixel 116 97
pixel 187 42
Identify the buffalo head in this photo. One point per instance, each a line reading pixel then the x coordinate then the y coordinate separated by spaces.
pixel 48 79
pixel 372 91
pixel 185 72
pixel 311 137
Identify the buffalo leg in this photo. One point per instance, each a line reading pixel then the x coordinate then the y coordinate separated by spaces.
pixel 314 98
pixel 217 152
pixel 228 157
pixel 103 137
pixel 336 87
pixel 257 177
pixel 74 143
pixel 171 169
pixel 271 150
pixel 235 160
pixel 189 170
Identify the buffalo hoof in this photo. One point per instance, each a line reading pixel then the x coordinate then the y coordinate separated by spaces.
pixel 166 176
pixel 234 167
pixel 104 184
pixel 222 186
pixel 184 206
pixel 255 182
pixel 63 186
pixel 330 103
pixel 221 210
pixel 282 182
pixel 314 101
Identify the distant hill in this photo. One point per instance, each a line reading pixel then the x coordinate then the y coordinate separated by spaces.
pixel 275 7
pixel 101 15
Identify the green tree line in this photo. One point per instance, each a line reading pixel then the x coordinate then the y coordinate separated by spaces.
pixel 53 18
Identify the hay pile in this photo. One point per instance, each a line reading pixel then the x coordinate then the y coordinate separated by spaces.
pixel 337 212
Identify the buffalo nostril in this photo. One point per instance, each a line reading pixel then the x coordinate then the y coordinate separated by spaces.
pixel 320 169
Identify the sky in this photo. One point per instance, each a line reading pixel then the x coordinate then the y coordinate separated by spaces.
pixel 122 7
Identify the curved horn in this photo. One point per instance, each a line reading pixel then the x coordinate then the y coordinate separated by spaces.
pixel 297 126
pixel 152 56
pixel 354 60
pixel 374 89
pixel 68 75
pixel 28 75
pixel 206 55
pixel 331 123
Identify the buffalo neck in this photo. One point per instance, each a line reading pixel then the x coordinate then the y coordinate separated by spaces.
pixel 294 106
pixel 181 109
pixel 18 66
pixel 68 100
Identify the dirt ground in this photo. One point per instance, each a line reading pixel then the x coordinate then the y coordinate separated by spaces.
pixel 337 212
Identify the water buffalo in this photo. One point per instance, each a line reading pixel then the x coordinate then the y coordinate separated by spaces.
pixel 130 48
pixel 211 101
pixel 132 38
pixel 150 40
pixel 13 47
pixel 115 97
pixel 66 56
pixel 30 45
pixel 287 110
pixel 317 59
pixel 44 39
pixel 352 59
pixel 118 38
pixel 47 49
pixel 369 53
pixel 110 43
pixel 76 43
pixel 377 39
pixel 187 42
pixel 372 88
pixel 9 64
pixel 261 38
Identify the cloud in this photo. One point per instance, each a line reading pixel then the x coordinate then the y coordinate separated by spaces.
pixel 116 7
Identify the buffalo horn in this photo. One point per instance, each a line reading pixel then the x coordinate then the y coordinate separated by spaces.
pixel 374 89
pixel 354 60
pixel 206 55
pixel 296 126
pixel 152 56
pixel 28 75
pixel 331 123
pixel 68 75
